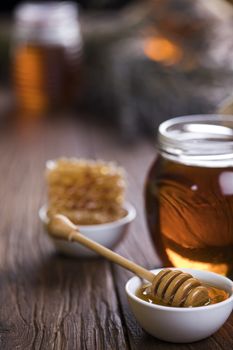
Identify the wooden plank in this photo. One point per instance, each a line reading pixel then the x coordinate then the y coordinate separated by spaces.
pixel 50 302
pixel 47 301
pixel 137 246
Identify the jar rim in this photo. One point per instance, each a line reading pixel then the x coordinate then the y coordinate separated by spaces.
pixel 197 138
pixel 47 23
pixel 41 13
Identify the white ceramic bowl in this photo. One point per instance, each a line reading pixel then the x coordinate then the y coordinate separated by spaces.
pixel 182 325
pixel 109 234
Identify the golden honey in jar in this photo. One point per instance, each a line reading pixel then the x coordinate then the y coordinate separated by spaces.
pixel 189 193
pixel 46 56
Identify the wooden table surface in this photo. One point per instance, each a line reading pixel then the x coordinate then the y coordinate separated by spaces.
pixel 53 302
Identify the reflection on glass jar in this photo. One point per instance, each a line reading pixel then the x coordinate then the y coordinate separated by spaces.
pixel 189 193
pixel 46 55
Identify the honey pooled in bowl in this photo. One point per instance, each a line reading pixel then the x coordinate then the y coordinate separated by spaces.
pixel 216 295
pixel 88 192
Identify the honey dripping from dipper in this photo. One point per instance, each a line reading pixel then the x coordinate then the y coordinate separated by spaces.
pixel 177 289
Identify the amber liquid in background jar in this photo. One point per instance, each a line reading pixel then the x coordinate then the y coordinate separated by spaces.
pixel 189 194
pixel 46 56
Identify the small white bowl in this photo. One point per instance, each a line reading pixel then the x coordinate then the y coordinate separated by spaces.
pixel 182 325
pixel 109 234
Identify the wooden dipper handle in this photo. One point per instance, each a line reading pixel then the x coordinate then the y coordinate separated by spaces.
pixel 61 227
pixel 173 287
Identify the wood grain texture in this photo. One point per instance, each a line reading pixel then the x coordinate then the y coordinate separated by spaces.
pixel 52 302
pixel 47 301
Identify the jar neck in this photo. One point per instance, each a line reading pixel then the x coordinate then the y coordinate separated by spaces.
pixel 200 140
pixel 54 22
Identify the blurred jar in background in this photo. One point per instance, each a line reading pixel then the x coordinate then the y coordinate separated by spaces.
pixel 46 56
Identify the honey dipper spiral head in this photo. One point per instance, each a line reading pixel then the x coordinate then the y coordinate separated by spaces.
pixel 176 288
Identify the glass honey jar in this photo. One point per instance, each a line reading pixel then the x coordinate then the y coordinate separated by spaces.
pixel 46 56
pixel 189 193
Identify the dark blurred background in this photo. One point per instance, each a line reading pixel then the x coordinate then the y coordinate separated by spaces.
pixel 135 63
pixel 86 4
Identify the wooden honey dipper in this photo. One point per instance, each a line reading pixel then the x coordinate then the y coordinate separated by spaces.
pixel 173 287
